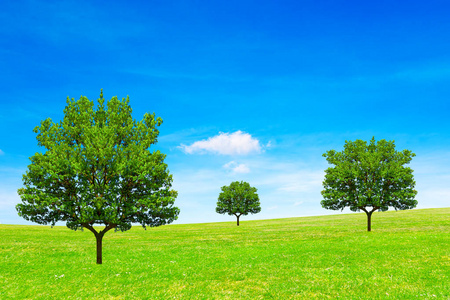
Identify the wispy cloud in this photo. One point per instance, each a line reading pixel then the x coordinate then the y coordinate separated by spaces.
pixel 62 24
pixel 435 71
pixel 236 143
pixel 1 152
pixel 237 168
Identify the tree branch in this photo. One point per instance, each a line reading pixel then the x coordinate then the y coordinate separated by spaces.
pixel 107 228
pixel 88 226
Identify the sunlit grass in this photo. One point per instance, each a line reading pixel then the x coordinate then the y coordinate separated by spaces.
pixel 406 256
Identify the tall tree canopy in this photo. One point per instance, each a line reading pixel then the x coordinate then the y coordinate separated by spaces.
pixel 98 169
pixel 238 199
pixel 369 177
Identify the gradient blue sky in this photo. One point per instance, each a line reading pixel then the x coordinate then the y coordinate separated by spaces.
pixel 268 86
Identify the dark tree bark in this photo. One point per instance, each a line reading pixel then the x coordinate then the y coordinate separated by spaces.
pixel 237 216
pixel 369 217
pixel 369 221
pixel 99 237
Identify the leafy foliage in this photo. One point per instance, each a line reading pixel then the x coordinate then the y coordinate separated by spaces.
pixel 369 175
pixel 98 169
pixel 238 199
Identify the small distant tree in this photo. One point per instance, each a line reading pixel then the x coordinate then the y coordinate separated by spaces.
pixel 238 199
pixel 369 177
pixel 98 169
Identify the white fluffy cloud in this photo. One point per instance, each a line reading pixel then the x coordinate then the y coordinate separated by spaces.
pixel 236 168
pixel 236 143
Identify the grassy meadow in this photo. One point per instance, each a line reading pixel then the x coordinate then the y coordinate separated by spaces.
pixel 406 256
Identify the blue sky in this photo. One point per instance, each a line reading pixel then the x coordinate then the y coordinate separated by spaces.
pixel 248 90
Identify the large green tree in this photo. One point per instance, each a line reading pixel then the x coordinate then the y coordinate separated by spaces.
pixel 369 177
pixel 238 199
pixel 98 169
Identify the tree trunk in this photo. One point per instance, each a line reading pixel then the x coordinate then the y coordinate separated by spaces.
pixel 369 216
pixel 99 238
pixel 369 220
pixel 237 220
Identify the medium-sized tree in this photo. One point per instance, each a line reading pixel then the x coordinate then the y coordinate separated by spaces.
pixel 238 199
pixel 369 177
pixel 98 169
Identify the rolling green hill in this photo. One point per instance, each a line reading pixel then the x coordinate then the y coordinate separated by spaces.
pixel 406 256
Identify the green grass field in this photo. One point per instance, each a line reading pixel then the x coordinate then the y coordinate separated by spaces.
pixel 406 256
